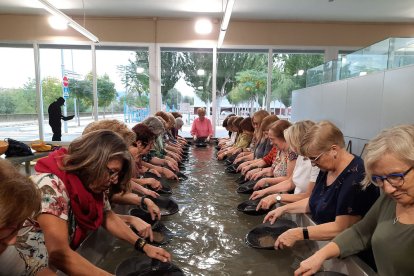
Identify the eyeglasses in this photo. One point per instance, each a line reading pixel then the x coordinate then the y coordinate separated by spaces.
pixel 112 174
pixel 315 159
pixel 395 179
pixel 22 230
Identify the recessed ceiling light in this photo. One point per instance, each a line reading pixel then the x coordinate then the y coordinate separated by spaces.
pixel 203 26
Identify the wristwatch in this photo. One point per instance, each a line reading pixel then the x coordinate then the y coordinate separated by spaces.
pixel 278 198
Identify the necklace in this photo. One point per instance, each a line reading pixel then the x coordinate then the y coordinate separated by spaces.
pixel 395 220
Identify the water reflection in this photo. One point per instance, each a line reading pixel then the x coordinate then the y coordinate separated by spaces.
pixel 208 230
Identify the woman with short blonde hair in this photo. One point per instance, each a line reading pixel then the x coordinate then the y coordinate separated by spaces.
pixel 337 200
pixel 201 129
pixel 388 227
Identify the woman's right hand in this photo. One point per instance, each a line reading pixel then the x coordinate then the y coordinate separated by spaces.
pixel 266 203
pixel 273 215
pixel 310 266
pixel 157 253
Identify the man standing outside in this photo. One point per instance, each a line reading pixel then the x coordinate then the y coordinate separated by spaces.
pixel 201 129
pixel 55 117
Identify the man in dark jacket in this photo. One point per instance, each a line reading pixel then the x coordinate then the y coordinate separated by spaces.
pixel 55 117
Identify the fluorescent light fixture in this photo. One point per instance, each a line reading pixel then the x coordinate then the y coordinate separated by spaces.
pixel 73 24
pixel 225 22
pixel 57 23
pixel 203 26
pixel 200 72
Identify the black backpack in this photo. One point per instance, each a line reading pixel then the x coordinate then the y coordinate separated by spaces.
pixel 17 148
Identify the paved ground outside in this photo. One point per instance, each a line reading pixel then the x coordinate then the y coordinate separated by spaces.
pixel 29 130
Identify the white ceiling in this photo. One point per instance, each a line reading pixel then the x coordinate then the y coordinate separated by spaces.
pixel 302 10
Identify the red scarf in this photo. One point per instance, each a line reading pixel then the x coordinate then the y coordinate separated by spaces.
pixel 87 207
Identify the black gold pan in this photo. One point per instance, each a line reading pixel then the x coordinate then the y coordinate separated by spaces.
pixel 265 235
pixel 142 265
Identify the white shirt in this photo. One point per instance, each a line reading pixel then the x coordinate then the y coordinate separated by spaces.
pixel 303 173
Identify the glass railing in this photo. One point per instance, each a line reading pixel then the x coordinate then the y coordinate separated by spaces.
pixel 386 54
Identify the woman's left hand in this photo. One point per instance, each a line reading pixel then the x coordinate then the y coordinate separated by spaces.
pixel 288 238
pixel 153 209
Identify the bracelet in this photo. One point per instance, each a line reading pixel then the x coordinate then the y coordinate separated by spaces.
pixel 139 244
pixel 305 233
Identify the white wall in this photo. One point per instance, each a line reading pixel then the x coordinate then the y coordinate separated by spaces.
pixel 360 106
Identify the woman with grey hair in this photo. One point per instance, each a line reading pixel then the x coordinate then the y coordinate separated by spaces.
pixel 388 227
pixel 160 158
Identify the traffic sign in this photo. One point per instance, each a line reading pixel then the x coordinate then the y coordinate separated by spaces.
pixel 65 81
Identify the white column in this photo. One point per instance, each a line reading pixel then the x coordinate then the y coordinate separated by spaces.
pixel 269 78
pixel 214 89
pixel 94 84
pixel 39 96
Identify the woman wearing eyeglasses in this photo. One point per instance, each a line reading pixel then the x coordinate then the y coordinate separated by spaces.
pixel 337 200
pixel 73 183
pixel 388 227
pixel 19 201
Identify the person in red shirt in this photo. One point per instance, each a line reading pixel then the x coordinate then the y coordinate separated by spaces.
pixel 201 128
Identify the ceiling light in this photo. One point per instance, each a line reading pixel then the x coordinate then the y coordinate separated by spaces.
pixel 203 26
pixel 57 23
pixel 73 24
pixel 225 22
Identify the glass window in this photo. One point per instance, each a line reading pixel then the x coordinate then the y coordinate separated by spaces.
pixel 18 117
pixel 290 73
pixel 186 82
pixel 66 71
pixel 241 83
pixel 123 83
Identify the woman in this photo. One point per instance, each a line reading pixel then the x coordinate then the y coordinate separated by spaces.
pixel 388 227
pixel 304 174
pixel 201 128
pixel 283 161
pixel 258 145
pixel 19 204
pixel 243 140
pixel 158 154
pixel 73 183
pixel 264 160
pixel 337 200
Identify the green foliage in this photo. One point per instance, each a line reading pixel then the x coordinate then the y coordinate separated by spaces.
pixel 7 105
pixel 136 83
pixel 251 85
